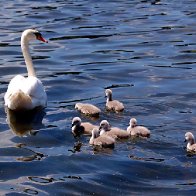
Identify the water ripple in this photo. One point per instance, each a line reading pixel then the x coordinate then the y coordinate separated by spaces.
pixel 145 52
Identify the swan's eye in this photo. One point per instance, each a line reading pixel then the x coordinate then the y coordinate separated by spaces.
pixel 37 34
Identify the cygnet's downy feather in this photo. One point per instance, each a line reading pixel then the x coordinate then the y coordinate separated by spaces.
pixel 88 109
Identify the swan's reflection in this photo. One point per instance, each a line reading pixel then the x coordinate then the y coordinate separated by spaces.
pixel 25 122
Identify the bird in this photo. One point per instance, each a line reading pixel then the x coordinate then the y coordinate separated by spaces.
pixel 101 140
pixel 26 93
pixel 88 109
pixel 79 127
pixel 136 130
pixel 114 132
pixel 191 145
pixel 113 105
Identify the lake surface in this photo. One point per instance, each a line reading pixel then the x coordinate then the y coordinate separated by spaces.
pixel 146 52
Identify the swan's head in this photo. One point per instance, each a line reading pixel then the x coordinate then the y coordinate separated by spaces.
pixel 133 122
pixel 108 92
pixel 104 125
pixel 76 122
pixel 189 137
pixel 32 34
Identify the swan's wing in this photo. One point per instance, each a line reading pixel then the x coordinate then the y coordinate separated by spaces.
pixel 34 88
pixel 30 89
pixel 13 87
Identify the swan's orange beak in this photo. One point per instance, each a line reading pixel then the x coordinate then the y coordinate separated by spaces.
pixel 39 37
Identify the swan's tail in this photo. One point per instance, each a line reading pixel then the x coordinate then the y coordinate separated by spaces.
pixel 19 101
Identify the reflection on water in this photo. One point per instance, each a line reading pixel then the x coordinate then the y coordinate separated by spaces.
pixel 145 51
pixel 25 122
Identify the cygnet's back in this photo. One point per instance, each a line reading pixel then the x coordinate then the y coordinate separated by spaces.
pixel 88 109
pixel 111 104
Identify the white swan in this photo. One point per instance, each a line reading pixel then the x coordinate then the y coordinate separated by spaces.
pixel 26 93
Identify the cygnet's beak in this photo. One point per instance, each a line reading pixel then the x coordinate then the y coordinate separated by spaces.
pixel 184 140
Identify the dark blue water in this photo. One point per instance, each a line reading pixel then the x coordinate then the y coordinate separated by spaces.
pixel 146 52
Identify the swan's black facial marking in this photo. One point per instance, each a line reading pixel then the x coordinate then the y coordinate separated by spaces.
pixel 39 37
pixel 38 34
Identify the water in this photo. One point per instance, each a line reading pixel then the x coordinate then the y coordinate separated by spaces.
pixel 146 52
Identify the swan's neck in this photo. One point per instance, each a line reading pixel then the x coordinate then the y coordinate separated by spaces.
pixel 27 56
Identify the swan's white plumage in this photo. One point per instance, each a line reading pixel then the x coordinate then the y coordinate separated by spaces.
pixel 26 92
pixel 31 87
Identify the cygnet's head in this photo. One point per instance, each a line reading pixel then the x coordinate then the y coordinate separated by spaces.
pixel 78 105
pixel 133 122
pixel 189 137
pixel 108 92
pixel 32 34
pixel 76 122
pixel 104 125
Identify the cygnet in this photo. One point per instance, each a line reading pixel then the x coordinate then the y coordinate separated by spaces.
pixel 88 109
pixel 191 145
pixel 101 140
pixel 79 127
pixel 113 105
pixel 136 130
pixel 114 132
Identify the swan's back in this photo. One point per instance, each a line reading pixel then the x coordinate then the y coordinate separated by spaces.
pixel 25 93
